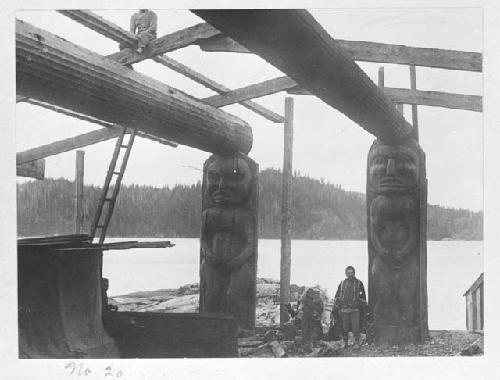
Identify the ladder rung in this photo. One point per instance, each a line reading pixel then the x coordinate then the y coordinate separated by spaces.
pixel 108 199
pixel 117 173
pixel 99 226
pixel 123 146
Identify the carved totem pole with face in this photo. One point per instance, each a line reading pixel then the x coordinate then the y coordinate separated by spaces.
pixel 228 259
pixel 396 206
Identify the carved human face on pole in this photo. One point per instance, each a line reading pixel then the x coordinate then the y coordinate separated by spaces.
pixel 393 169
pixel 228 180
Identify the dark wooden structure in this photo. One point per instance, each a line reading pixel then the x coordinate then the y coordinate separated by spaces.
pixel 168 335
pixel 474 305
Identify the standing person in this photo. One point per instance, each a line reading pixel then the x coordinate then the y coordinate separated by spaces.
pixel 143 24
pixel 349 300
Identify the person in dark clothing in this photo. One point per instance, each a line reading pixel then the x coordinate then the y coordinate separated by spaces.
pixel 349 301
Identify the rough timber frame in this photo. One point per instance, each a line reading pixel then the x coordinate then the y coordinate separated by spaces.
pixel 209 39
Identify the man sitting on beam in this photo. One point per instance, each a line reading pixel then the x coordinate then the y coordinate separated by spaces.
pixel 143 24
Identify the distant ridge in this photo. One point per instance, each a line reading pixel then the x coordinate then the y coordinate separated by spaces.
pixel 320 211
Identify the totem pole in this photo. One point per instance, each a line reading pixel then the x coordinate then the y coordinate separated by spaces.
pixel 396 198
pixel 228 257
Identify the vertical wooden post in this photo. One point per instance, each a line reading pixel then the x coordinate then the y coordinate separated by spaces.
pixel 80 160
pixel 414 114
pixel 286 215
pixel 381 77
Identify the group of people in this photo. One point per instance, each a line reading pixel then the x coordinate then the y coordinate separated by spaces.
pixel 348 312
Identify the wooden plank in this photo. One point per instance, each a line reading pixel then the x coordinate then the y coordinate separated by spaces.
pixel 377 52
pixel 66 145
pixel 169 42
pixel 79 176
pixel 122 36
pixel 94 120
pixel 424 98
pixel 268 87
pixel 292 40
pixel 121 246
pixel 436 99
pixel 100 25
pixel 414 108
pixel 55 71
pixel 34 169
pixel 286 212
pixel 209 83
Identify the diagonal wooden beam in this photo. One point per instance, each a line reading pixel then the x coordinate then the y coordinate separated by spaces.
pixel 169 42
pixel 376 52
pixel 55 71
pixel 94 120
pixel 34 169
pixel 295 43
pixel 257 90
pixel 424 98
pixel 209 83
pixel 122 36
pixel 100 25
pixel 66 145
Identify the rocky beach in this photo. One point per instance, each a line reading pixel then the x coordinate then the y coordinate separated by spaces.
pixel 271 341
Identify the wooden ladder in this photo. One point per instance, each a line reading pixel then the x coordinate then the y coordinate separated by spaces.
pixel 103 214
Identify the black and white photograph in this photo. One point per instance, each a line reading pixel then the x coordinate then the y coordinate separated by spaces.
pixel 303 184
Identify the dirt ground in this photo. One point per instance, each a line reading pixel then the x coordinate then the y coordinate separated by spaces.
pixel 441 343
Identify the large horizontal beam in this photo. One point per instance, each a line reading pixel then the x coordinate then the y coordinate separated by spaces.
pixel 376 52
pixel 53 70
pixel 424 98
pixel 123 37
pixel 295 43
pixel 34 169
pixel 91 119
pixel 66 145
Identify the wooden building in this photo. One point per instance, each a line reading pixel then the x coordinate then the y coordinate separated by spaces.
pixel 474 301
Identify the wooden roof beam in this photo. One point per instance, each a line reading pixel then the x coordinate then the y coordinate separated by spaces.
pixel 91 119
pixel 169 42
pixel 207 82
pixel 122 36
pixel 295 43
pixel 424 98
pixel 257 90
pixel 66 145
pixel 53 70
pixel 376 52
pixel 34 169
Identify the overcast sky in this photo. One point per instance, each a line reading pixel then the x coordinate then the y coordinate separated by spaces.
pixel 326 143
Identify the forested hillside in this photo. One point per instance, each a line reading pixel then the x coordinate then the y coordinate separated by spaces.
pixel 320 211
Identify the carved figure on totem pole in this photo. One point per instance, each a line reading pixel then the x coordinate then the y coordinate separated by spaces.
pixel 396 207
pixel 228 265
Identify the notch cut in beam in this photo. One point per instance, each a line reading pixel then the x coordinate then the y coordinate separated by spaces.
pixel 91 119
pixel 291 40
pixel 366 51
pixel 123 37
pixel 424 98
pixel 34 169
pixel 55 71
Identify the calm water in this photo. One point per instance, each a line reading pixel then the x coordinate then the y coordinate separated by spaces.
pixel 452 268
